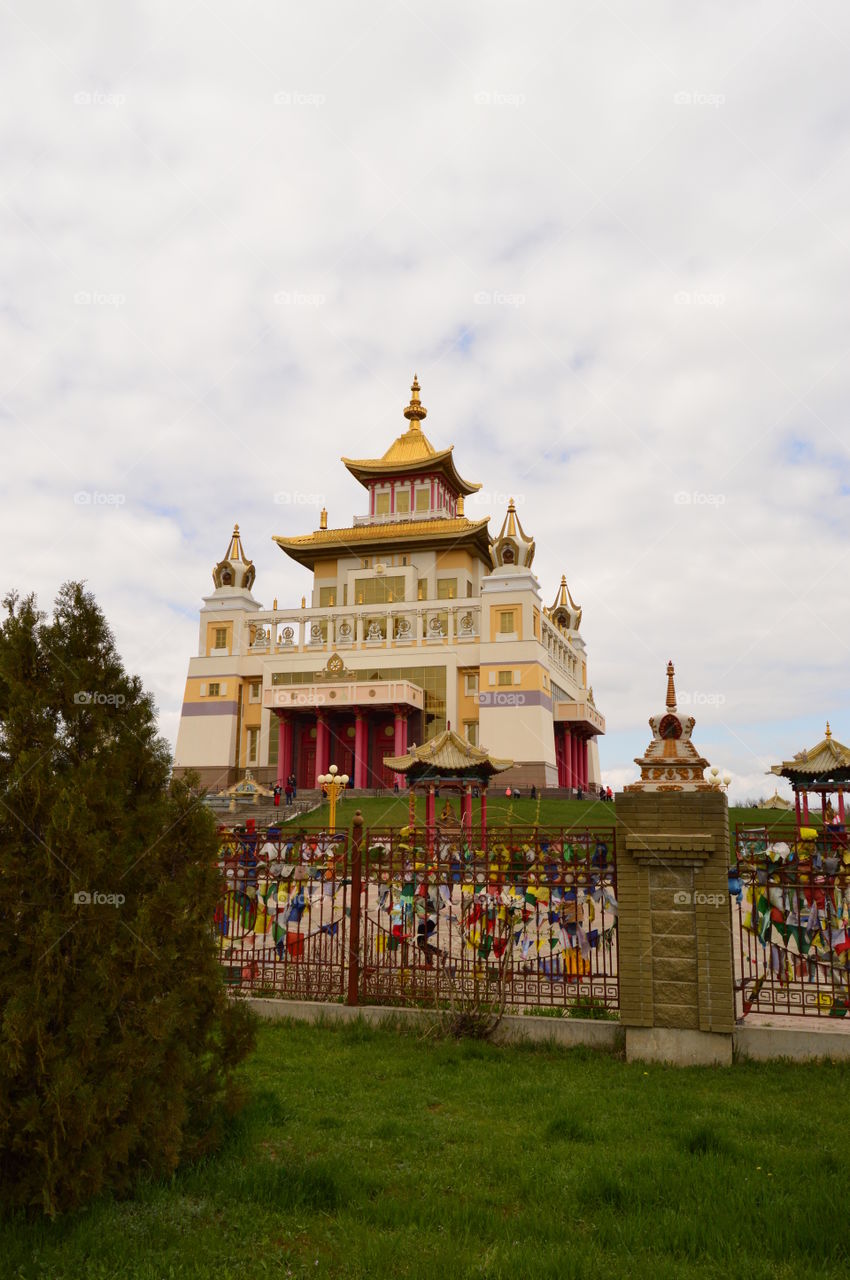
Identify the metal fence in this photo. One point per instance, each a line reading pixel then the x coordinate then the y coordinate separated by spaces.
pixel 791 923
pixel 416 917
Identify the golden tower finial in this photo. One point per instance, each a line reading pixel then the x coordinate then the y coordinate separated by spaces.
pixel 828 730
pixel 671 687
pixel 415 411
pixel 460 504
pixel 323 518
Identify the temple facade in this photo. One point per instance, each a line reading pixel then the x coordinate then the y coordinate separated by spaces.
pixel 417 620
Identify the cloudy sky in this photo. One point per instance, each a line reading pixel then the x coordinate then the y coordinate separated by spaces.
pixel 612 238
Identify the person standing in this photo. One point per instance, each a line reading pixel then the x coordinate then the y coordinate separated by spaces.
pixel 289 791
pixel 291 781
pixel 277 790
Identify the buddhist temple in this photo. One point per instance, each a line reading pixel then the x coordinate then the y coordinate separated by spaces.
pixel 416 617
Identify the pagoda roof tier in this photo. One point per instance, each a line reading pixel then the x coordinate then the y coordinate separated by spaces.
pixel 411 453
pixel 829 759
pixel 446 754
pixel 406 456
pixel 362 539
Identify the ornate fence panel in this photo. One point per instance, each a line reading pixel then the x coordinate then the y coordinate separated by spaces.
pixel 282 922
pixel 532 921
pixel 415 918
pixel 791 924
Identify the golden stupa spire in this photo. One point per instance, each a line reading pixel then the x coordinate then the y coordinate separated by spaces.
pixel 415 411
pixel 511 518
pixel 828 730
pixel 671 687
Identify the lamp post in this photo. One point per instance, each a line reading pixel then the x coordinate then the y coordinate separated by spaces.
pixel 332 783
pixel 722 783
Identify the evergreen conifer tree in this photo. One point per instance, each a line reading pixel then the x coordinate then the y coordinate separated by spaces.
pixel 117 1041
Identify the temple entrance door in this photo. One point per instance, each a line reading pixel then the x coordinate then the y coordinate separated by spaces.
pixel 342 747
pixel 307 760
pixel 384 746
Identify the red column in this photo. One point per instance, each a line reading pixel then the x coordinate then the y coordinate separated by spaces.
pixel 797 807
pixel 566 753
pixel 284 747
pixel 484 818
pixel 466 811
pixel 429 819
pixel 400 738
pixel 322 745
pixel 805 808
pixel 573 758
pixel 360 749
pixel 585 769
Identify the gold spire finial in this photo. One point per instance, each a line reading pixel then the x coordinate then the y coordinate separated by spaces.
pixel 415 411
pixel 323 518
pixel 460 504
pixel 671 687
pixel 828 730
pixel 236 531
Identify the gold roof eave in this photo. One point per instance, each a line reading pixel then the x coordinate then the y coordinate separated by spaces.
pixel 306 549
pixel 407 457
pixel 450 753
pixel 826 757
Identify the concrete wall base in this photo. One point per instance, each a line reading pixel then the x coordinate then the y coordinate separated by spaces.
pixel 797 1043
pixel 679 1047
pixel 569 1032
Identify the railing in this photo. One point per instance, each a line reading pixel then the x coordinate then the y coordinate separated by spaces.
pixel 413 915
pixel 791 923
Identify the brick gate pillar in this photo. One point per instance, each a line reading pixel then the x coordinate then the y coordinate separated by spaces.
pixel 675 924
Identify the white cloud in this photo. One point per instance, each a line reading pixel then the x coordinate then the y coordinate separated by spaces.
pixel 664 188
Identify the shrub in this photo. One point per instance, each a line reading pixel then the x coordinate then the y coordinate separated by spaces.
pixel 117 1041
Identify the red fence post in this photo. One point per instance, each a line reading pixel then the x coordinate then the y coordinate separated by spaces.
pixel 354 922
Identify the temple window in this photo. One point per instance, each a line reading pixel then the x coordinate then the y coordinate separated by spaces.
pixel 507 623
pixel 505 678
pixel 213 690
pixel 471 731
pixel 423 499
pixel 379 590
pixel 220 638
pixel 446 588
pixel 382 504
pixel 254 691
pixel 470 682
pixel 253 745
pixel 327 597
pixel 402 502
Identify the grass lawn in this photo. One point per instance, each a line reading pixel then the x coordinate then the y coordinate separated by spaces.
pixel 369 1154
pixel 392 811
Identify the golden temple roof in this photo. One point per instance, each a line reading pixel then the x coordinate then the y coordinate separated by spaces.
pixel 825 758
pixel 411 452
pixel 450 753
pixel 309 547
